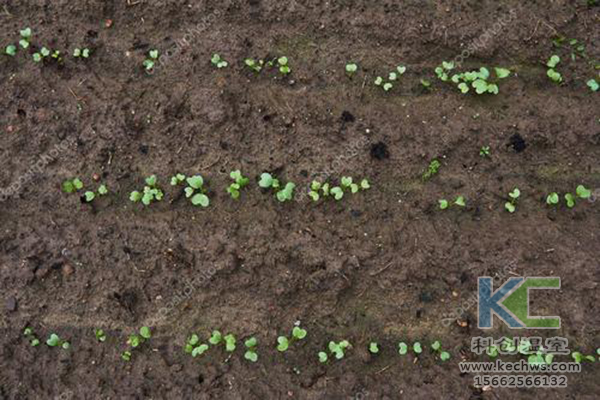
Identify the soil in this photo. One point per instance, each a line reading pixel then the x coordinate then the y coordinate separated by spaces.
pixel 384 265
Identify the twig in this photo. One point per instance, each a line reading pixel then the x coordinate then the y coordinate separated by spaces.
pixel 381 270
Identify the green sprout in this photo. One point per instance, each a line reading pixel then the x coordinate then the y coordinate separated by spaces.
pixel 196 192
pixel 135 340
pixel 578 357
pixel 338 349
pixel 443 70
pixel 437 347
pixel 194 347
pixel 426 84
pixel 218 62
pixel 239 182
pixel 30 335
pixel 511 204
pixel 592 83
pixel 254 65
pixel 392 77
pixel 151 192
pixel 323 357
pixel 347 184
pixel 552 73
pixel 55 341
pixel 177 179
pixel 552 199
pixel 72 186
pixel 580 192
pixel 460 202
pixel 373 348
pixel 100 335
pixel 493 351
pixel 351 68
pixel 402 348
pixel 284 68
pixel 250 353
pixel 126 356
pixel 284 194
pixel 81 53
pixel 283 343
pixel 43 53
pixel 485 152
pixel 443 204
pixel 25 37
pixel 432 170
pixel 90 196
pixel 479 80
pixel 11 50
pixel 150 60
pixel 417 348
pixel 228 341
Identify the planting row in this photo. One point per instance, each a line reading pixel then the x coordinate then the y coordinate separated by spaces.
pixel 334 351
pixel 196 191
pixel 481 80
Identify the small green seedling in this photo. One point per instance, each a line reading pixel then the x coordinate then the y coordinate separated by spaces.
pixel 480 80
pixel 89 196
pixel 126 356
pixel 72 186
pixel 426 84
pixel 55 341
pixel 338 349
pixel 432 170
pixel 552 199
pixel 417 348
pixel 177 179
pixel 581 192
pixel 136 340
pixel 392 77
pixel 81 53
pixel 511 204
pixel 402 348
pixel 485 152
pixel 374 348
pixel 218 62
pixel 194 347
pixel 11 50
pixel 351 69
pixel 254 65
pixel 493 351
pixel 552 73
pixel 283 194
pixel 250 353
pixel 150 60
pixel 30 335
pixel 196 192
pixel 283 343
pixel 592 83
pixel 228 341
pixel 284 68
pixel 239 182
pixel 460 202
pixel 25 37
pixel 347 184
pixel 100 335
pixel 443 70
pixel 151 192
pixel 323 357
pixel 43 53
pixel 578 357
pixel 437 347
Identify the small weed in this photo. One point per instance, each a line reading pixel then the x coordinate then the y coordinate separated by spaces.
pixel 150 60
pixel 432 170
pixel 283 343
pixel 30 335
pixel 511 205
pixel 250 353
pixel 218 62
pixel 552 73
pixel 100 335
pixel 151 192
pixel 55 341
pixel 239 182
pixel 485 152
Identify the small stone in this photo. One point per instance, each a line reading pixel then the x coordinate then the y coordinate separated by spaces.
pixel 11 304
pixel 67 270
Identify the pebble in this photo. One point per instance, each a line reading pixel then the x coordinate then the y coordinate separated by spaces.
pixel 11 304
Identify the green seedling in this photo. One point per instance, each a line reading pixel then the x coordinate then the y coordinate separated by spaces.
pixel 417 348
pixel 135 340
pixel 239 182
pixel 552 199
pixel 43 53
pixel 480 80
pixel 218 62
pixel 284 68
pixel 177 179
pixel 432 170
pixel 351 69
pixel 72 186
pixel 250 353
pixel 126 356
pixel 437 347
pixel 30 335
pixel 579 358
pixel 228 341
pixel 282 194
pixel 194 347
pixel 254 65
pixel 150 60
pixel 81 53
pixel 11 50
pixel 323 358
pixel 196 192
pixel 338 349
pixel 267 181
pixel 426 84
pixel 511 204
pixel 592 83
pixel 443 70
pixel 460 202
pixel 485 152
pixel 392 77
pixel 25 38
pixel 151 192
pixel 347 184
pixel 283 343
pixel 90 196
pixel 552 73
pixel 100 335
pixel 581 192
pixel 55 341
pixel 402 348
pixel 374 348
pixel 493 351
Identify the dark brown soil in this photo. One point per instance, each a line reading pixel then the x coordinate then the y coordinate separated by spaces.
pixel 385 265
